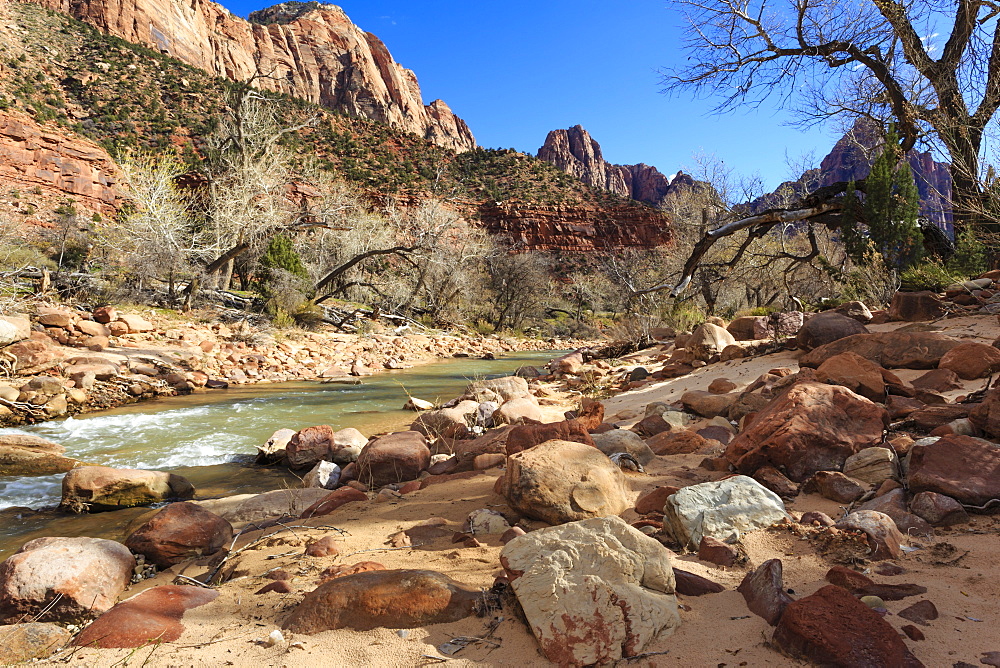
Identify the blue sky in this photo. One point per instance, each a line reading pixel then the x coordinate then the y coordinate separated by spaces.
pixel 517 69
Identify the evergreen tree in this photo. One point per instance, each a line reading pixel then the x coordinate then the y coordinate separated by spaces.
pixel 889 212
pixel 281 254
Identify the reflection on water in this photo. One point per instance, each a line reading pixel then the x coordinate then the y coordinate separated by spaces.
pixel 210 437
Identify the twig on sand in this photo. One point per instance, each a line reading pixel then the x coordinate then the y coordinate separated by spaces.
pixel 438 659
pixel 382 549
pixel 637 657
pixel 197 583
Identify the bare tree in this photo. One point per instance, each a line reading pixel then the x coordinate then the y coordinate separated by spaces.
pixel 871 58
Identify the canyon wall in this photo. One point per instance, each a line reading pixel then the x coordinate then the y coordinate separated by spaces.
pixel 306 50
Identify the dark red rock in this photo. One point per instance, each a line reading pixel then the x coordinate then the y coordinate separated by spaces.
pixel 816 518
pixel 893 504
pixel 179 532
pixel 986 416
pixel 397 599
pixel 309 446
pixel 525 436
pixel 890 350
pixel 152 616
pixel 278 586
pixel 938 380
pixel 849 579
pixel 901 407
pixel 449 465
pixel 892 592
pixel 833 628
pixel 653 500
pixel 810 427
pixel 836 486
pixel 888 569
pixel 764 591
pixel 393 458
pixel 332 501
pixel 932 417
pixel 278 574
pixel 913 633
pixel 510 534
pixel 776 481
pixel 970 360
pixel 920 612
pixel 716 552
pixel 825 328
pixel 681 442
pixel 690 584
pixel 962 467
pixel 916 306
pixel 651 425
pixel 342 570
pixel 938 509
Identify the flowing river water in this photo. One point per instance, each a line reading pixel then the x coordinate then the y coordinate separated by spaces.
pixel 210 438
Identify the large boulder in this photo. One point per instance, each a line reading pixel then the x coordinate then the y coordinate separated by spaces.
pixel 962 467
pixel 593 591
pixel 498 390
pixel 323 443
pixel 916 306
pixel 256 507
pixel 526 436
pixel 810 427
pixel 708 340
pixel 63 579
pixel 395 599
pixel 179 532
pixel 723 510
pixel 854 372
pixel 890 350
pixel 451 422
pixel 707 404
pixel 150 617
pixel 29 455
pixel 562 481
pixel 826 328
pixel 396 457
pixel 778 325
pixel 273 450
pixel 971 360
pixel 136 324
pixel 833 628
pixel 100 488
pixel 622 440
pixel 519 411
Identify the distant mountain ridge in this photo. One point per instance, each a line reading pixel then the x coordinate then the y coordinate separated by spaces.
pixel 307 50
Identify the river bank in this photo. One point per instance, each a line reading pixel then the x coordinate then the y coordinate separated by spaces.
pixel 63 361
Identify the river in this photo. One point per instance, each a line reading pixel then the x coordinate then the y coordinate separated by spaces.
pixel 211 437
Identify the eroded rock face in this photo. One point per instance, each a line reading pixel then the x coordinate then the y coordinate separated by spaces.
pixel 100 488
pixel 811 427
pixel 832 627
pixel 562 481
pixel 317 55
pixel 152 616
pixel 396 599
pixel 179 532
pixel 723 510
pixel 87 574
pixel 593 591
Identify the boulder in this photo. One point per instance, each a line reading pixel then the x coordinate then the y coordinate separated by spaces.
pixel 854 372
pixel 325 475
pixel 938 510
pixel 492 442
pixel 485 522
pixel 825 328
pixel 415 404
pixel 498 390
pixel 395 599
pixel 916 306
pixel 724 510
pixel 322 443
pixel 872 465
pixel 776 481
pixel 527 436
pixel 256 507
pixel 13 330
pixel 764 591
pixel 654 500
pixel 85 574
pixel 836 486
pixel 31 640
pixel 810 427
pixel 570 363
pixel 965 468
pixel 893 503
pixel 53 317
pixel 105 314
pixel 682 442
pixel 333 500
pixel 91 328
pixel 743 328
pixel 890 350
pixel 708 340
pixel 393 458
pixel 451 422
pixel 621 440
pixel 592 591
pixel 136 324
pixel 691 584
pixel 707 404
pixel 179 532
pixel 778 325
pixel 716 552
pixel 856 310
pixel 833 628
pixel 273 450
pixel 563 481
pixel 29 455
pixel 970 361
pixel 986 416
pixel 33 356
pixel 519 411
pixel 100 488
pixel 937 380
pixel 150 617
pixel 884 538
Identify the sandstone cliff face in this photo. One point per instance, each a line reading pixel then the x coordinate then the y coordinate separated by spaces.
pixel 35 157
pixel 311 52
pixel 575 152
pixel 579 228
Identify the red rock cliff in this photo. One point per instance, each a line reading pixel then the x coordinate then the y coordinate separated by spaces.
pixel 309 50
pixel 34 158
pixel 576 228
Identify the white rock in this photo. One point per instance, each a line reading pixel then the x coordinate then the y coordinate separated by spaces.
pixel 724 510
pixel 485 521
pixel 324 475
pixel 592 591
pixel 623 440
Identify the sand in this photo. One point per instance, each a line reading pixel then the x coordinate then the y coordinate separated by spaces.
pixel 958 566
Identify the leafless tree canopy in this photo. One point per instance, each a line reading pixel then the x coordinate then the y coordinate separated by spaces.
pixel 875 58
